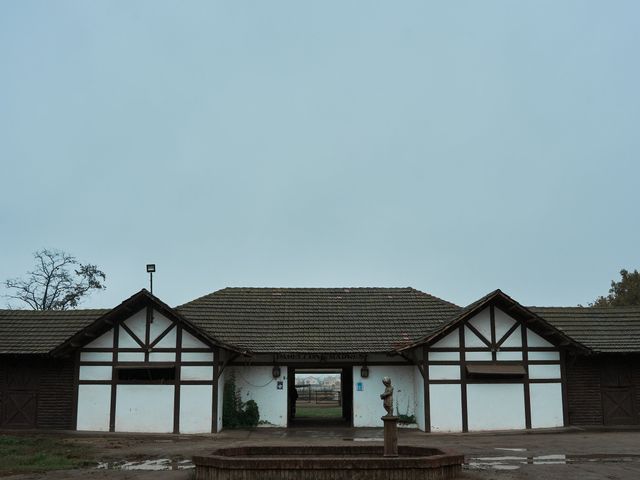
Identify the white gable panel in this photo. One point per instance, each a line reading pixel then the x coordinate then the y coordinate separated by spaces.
pixel 137 323
pixel 131 356
pixel 446 356
pixel 196 373
pixel 197 357
pixel 160 324
pixel 503 323
pixel 514 340
pixel 472 340
pixel 444 372
pixel 96 356
pixel 544 356
pixel 508 356
pixel 169 340
pixel 544 371
pixel 479 356
pixel 162 357
pixel 189 341
pixel 95 372
pixel 125 340
pixel 450 341
pixel 103 341
pixel 482 322
pixel 535 340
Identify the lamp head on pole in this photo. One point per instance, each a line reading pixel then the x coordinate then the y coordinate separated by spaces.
pixel 151 267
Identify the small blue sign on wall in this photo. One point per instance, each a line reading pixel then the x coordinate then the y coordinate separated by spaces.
pixel 280 385
pixel 359 387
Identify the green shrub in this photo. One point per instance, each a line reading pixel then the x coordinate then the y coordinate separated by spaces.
pixel 235 412
pixel 251 413
pixel 406 419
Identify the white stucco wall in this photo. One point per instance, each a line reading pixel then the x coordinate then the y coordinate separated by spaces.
pixel 418 388
pixel 535 340
pixel 195 408
pixel 189 341
pixel 257 383
pixel 495 406
pixel 546 405
pixel 196 373
pixel 103 341
pixel 96 356
pixel 144 408
pixel 367 405
pixel 137 323
pixel 158 325
pixel 544 372
pixel 452 340
pixel 94 402
pixel 445 403
pixel 95 372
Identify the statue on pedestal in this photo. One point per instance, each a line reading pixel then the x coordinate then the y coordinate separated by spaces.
pixel 387 396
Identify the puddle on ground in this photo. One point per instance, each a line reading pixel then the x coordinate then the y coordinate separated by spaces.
pixel 157 464
pixel 515 462
pixel 364 439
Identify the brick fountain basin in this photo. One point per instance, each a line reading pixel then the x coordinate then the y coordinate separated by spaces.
pixel 297 462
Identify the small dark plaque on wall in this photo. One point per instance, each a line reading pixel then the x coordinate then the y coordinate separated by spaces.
pixel 280 385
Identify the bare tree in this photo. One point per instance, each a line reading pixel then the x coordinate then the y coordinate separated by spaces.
pixel 57 282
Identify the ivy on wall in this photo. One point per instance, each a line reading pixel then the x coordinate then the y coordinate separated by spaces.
pixel 404 418
pixel 235 412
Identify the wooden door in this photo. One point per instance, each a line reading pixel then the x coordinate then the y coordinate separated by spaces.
pixel 20 398
pixel 618 406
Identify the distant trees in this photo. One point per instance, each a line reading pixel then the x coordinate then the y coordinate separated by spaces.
pixel 622 293
pixel 57 282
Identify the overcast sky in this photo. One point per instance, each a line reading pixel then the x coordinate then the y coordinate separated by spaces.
pixel 456 147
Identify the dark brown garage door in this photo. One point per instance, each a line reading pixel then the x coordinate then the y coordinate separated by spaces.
pixel 618 395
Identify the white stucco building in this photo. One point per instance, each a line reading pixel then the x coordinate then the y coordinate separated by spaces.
pixel 146 367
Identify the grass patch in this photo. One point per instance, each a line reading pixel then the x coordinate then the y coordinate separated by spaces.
pixel 319 412
pixel 39 454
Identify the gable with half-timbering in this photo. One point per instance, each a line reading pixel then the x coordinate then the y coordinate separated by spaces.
pixel 493 372
pixel 148 374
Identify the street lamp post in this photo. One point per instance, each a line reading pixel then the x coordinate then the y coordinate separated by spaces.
pixel 151 267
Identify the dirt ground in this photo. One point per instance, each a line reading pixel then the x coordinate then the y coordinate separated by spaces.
pixel 573 454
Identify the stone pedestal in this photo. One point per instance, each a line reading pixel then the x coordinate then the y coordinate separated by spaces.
pixel 390 436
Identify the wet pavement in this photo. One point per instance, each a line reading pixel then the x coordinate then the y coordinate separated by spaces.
pixel 571 454
pixel 159 464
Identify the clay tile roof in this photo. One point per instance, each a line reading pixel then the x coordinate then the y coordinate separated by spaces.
pixel 36 331
pixel 314 320
pixel 602 329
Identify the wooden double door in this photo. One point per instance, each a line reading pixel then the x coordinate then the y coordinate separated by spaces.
pixel 19 397
pixel 618 394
